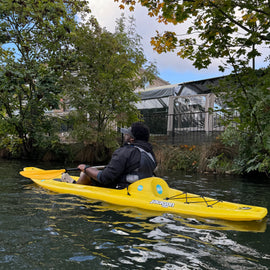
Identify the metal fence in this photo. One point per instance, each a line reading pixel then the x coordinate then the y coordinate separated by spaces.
pixel 188 128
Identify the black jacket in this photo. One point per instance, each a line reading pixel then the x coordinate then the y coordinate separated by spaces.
pixel 124 161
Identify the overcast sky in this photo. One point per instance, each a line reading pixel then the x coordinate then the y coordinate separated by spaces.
pixel 171 67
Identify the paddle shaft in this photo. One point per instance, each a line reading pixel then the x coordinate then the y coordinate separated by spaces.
pixel 77 169
pixel 50 174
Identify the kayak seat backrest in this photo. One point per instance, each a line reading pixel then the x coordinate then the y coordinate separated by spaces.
pixel 152 187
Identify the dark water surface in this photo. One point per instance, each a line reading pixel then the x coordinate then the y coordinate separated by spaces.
pixel 40 229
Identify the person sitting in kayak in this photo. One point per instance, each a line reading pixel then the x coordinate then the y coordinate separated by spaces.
pixel 133 161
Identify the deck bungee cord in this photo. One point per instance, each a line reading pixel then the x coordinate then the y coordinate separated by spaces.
pixel 186 197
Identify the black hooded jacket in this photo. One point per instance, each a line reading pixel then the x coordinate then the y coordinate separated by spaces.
pixel 125 160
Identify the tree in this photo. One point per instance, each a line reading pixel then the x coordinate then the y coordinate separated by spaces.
pixel 252 132
pixel 218 29
pixel 35 41
pixel 110 66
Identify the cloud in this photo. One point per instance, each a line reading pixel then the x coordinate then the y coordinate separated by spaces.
pixel 171 67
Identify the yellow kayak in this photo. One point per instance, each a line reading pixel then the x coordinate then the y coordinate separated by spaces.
pixel 152 194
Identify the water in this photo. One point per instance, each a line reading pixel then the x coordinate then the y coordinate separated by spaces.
pixel 40 229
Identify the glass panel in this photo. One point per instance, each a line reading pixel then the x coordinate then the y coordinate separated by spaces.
pixel 190 104
pixel 153 103
pixel 190 112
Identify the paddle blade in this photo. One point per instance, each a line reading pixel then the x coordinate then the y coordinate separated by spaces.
pixel 42 174
pixel 39 174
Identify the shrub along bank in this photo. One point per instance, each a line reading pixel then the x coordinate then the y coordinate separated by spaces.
pixel 208 158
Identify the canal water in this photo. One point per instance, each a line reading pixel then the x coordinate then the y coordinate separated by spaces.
pixel 40 229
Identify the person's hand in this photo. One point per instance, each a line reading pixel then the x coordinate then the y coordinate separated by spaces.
pixel 81 167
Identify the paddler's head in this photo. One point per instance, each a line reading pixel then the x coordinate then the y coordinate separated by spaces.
pixel 128 136
pixel 137 131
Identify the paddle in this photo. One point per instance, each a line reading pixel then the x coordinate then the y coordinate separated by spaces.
pixel 50 174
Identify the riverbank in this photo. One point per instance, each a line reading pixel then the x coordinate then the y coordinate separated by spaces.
pixel 207 158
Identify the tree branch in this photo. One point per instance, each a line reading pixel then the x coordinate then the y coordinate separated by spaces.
pixel 238 23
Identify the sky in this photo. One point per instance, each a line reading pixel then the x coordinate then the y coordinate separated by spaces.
pixel 171 67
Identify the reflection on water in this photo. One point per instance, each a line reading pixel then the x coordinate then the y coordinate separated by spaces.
pixel 196 222
pixel 40 229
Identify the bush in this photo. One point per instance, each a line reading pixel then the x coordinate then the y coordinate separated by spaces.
pixel 177 157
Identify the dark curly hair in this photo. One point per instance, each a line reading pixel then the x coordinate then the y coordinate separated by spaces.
pixel 140 131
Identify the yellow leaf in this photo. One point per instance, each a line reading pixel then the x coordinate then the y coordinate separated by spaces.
pixel 245 17
pixel 253 19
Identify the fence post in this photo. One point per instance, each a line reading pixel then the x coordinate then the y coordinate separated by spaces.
pixel 170 116
pixel 210 98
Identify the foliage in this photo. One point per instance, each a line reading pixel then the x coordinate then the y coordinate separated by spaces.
pixel 221 164
pixel 248 95
pixel 228 29
pixel 35 41
pixel 178 157
pixel 218 158
pixel 109 67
